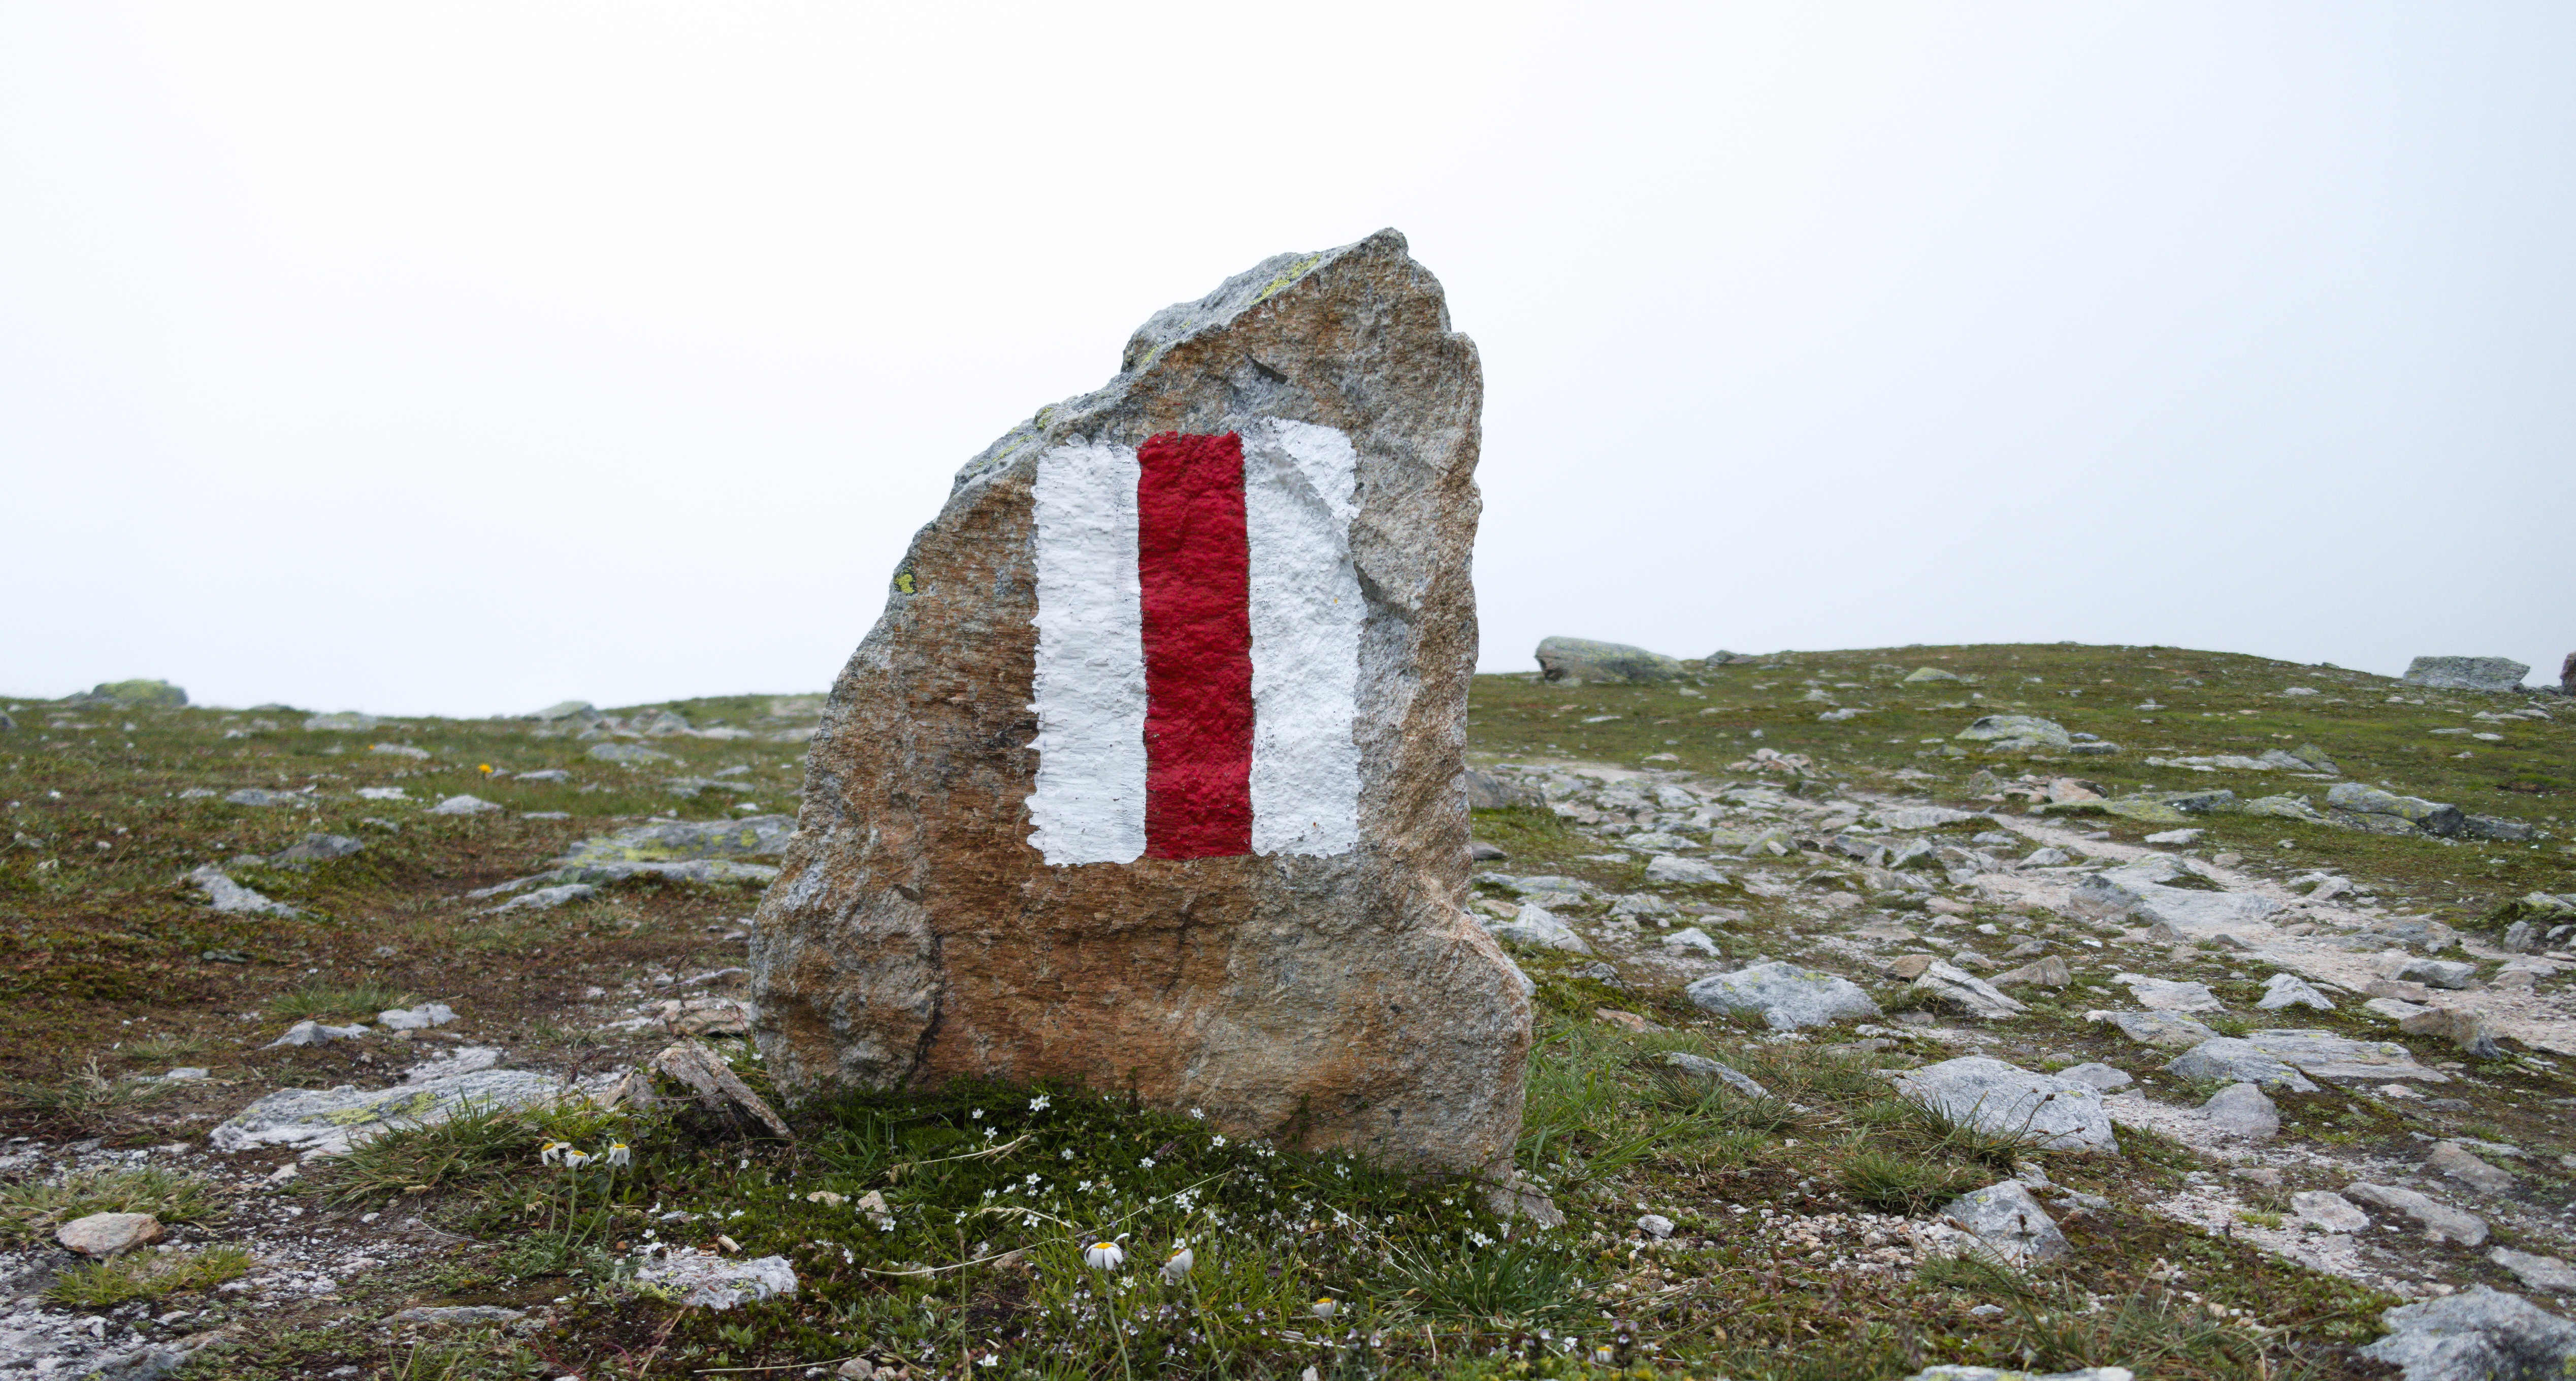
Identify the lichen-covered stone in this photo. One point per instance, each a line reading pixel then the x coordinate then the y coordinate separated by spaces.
pixel 2467 673
pixel 916 934
pixel 2057 1114
pixel 1784 995
pixel 1581 661
pixel 2386 812
pixel 2007 733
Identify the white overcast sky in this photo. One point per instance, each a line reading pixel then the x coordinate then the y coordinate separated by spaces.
pixel 462 358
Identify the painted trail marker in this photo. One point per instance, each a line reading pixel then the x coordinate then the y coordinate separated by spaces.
pixel 1151 774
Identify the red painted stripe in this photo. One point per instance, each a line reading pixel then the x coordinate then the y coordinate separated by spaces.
pixel 1195 563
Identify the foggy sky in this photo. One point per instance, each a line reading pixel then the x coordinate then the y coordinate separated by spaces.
pixel 462 359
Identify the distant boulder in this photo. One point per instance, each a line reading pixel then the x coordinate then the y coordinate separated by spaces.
pixel 133 693
pixel 2009 733
pixel 1488 792
pixel 2467 673
pixel 1585 662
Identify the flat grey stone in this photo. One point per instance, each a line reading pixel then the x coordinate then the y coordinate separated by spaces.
pixel 2008 1222
pixel 2362 805
pixel 1719 1070
pixel 1951 988
pixel 397 750
pixel 1582 661
pixel 2063 1114
pixel 255 796
pixel 463 805
pixel 2439 973
pixel 2467 673
pixel 2156 1028
pixel 2538 1272
pixel 2047 972
pixel 230 896
pixel 1691 938
pixel 345 722
pixel 2395 1009
pixel 2223 1059
pixel 566 709
pixel 2164 995
pixel 2326 1056
pixel 1535 925
pixel 627 752
pixel 1966 1373
pixel 314 848
pixel 550 774
pixel 2328 1210
pixel 1532 886
pixel 108 1234
pixel 545 898
pixel 1679 871
pixel 2289 990
pixel 713 1282
pixel 2016 732
pixel 2242 1110
pixel 2099 1075
pixel 1788 997
pixel 460 1316
pixel 2139 892
pixel 329 1121
pixel 2454 1160
pixel 2439 1219
pixel 315 1033
pixel 415 1018
pixel 2476 1335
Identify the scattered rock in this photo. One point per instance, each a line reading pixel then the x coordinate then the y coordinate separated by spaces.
pixel 566 709
pixel 2061 1114
pixel 418 1018
pixel 2467 673
pixel 256 796
pixel 1947 987
pixel 545 898
pixel 718 1089
pixel 230 896
pixel 107 1234
pixel 2438 1219
pixel 2229 1060
pixel 460 1316
pixel 1535 925
pixel 697 1279
pixel 397 750
pixel 2051 972
pixel 2138 890
pixel 1908 967
pixel 2335 1058
pixel 2386 812
pixel 314 848
pixel 2289 990
pixel 315 1033
pixel 1787 997
pixel 2458 1025
pixel 2008 1223
pixel 136 694
pixel 1485 791
pixel 2177 838
pixel 2452 1159
pixel 2016 733
pixel 1691 938
pixel 1719 1070
pixel 2097 1075
pixel 2242 1110
pixel 1478 851
pixel 1656 1226
pixel 1671 868
pixel 328 1122
pixel 2156 1028
pixel 1581 661
pixel 631 753
pixel 462 805
pixel 2478 1334
pixel 1967 1373
pixel 2162 995
pixel 2439 973
pixel 2538 1272
pixel 2328 1210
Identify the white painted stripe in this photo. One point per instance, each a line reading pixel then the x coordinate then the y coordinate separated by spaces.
pixel 1089 803
pixel 1300 483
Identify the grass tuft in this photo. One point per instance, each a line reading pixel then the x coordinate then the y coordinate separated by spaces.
pixel 317 998
pixel 32 1209
pixel 147 1275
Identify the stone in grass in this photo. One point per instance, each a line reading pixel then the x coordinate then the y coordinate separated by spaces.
pixel 2176 837
pixel 2289 990
pixel 2166 995
pixel 2100 1076
pixel 2539 1272
pixel 1719 1070
pixel 415 1018
pixel 628 753
pixel 1968 1373
pixel 231 897
pixel 2229 1060
pixel 695 1279
pixel 460 1316
pixel 2438 1219
pixel 1949 988
pixel 2324 1055
pixel 314 848
pixel 1786 996
pixel 1691 938
pixel 2454 974
pixel 2156 1028
pixel 328 1122
pixel 545 898
pixel 1582 661
pixel 2242 1110
pixel 2467 673
pixel 463 805
pixel 2008 1223
pixel 315 1033
pixel 2009 733
pixel 2057 1114
pixel 1535 925
pixel 1679 871
pixel 2478 1334
pixel 2329 1211
pixel 2454 1160
pixel 2458 1025
pixel 107 1234
pixel 2050 972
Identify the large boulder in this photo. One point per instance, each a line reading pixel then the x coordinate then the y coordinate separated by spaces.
pixel 2479 1334
pixel 1151 773
pixel 2467 673
pixel 134 694
pixel 1582 662
pixel 2386 812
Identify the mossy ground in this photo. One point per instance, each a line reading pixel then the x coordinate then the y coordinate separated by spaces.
pixel 111 966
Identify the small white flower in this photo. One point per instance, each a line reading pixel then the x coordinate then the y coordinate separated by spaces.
pixel 619 1155
pixel 978 1114
pixel 1146 1164
pixel 1041 1103
pixel 552 1152
pixel 574 1160
pixel 1178 1267
pixel 1103 1256
pixel 1199 1113
pixel 1068 1153
pixel 1217 1140
pixel 1324 1307
pixel 988 1360
pixel 1604 1356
